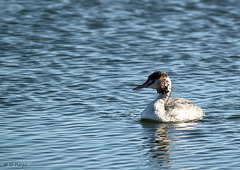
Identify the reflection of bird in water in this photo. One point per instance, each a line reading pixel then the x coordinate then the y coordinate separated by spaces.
pixel 164 109
pixel 160 142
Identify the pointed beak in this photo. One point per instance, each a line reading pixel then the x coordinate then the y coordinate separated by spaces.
pixel 145 85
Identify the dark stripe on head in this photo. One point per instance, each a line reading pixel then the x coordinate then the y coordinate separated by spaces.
pixel 157 75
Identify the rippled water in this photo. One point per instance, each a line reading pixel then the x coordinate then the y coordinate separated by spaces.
pixel 67 72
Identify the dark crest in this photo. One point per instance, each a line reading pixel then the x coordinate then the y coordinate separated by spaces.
pixel 157 75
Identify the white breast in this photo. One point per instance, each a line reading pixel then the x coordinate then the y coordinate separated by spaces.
pixel 175 110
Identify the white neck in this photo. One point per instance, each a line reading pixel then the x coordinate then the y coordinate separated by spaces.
pixel 160 101
pixel 156 109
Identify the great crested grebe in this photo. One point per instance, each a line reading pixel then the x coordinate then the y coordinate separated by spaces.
pixel 164 109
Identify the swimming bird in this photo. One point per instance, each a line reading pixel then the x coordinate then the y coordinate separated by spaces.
pixel 164 108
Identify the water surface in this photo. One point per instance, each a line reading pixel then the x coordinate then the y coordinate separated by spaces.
pixel 68 69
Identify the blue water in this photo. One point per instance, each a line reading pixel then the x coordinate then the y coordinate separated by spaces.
pixel 67 70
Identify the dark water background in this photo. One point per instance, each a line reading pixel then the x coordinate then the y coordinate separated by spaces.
pixel 67 69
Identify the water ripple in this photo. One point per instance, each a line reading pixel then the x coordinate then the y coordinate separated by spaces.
pixel 68 69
